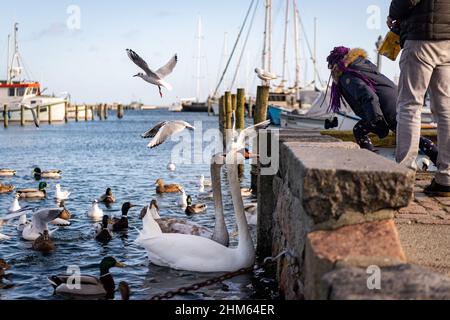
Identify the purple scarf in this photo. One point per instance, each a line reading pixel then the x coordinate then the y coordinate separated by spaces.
pixel 337 59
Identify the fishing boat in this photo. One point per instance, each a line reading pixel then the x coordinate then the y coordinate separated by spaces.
pixel 193 105
pixel 26 96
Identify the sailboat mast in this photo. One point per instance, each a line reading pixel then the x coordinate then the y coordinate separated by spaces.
pixel 297 51
pixel 269 67
pixel 285 40
pixel 199 52
pixel 315 52
pixel 7 60
pixel 267 49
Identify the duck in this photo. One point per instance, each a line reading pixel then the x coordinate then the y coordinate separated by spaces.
pixel 95 212
pixel 50 174
pixel 5 188
pixel 90 287
pixel 171 167
pixel 107 198
pixel 182 202
pixel 423 164
pixel 39 193
pixel 7 173
pixel 103 230
pixel 173 225
pixel 197 254
pixel 162 188
pixel 125 291
pixel 44 243
pixel 61 195
pixel 193 209
pixel 3 267
pixel 251 213
pixel 122 223
pixel 40 221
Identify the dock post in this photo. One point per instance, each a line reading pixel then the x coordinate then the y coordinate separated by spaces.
pixel 120 113
pixel 22 115
pixel 86 113
pixel 250 108
pixel 240 119
pixel 228 117
pixel 105 110
pixel 77 110
pixel 222 116
pixel 66 112
pixel 50 120
pixel 5 116
pixel 92 113
pixel 100 112
pixel 262 100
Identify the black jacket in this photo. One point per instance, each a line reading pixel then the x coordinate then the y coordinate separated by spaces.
pixel 422 19
pixel 370 106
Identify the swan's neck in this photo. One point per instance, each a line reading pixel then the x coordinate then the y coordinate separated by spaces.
pixel 154 212
pixel 245 239
pixel 150 226
pixel 220 229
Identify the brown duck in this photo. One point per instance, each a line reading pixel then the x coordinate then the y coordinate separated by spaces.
pixel 44 243
pixel 161 187
pixel 6 188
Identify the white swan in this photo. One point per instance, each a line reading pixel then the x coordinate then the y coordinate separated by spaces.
pixel 191 253
pixel 39 223
pixel 61 195
pixel 183 226
pixel 95 212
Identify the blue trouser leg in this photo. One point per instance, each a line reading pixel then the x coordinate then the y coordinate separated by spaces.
pixel 361 132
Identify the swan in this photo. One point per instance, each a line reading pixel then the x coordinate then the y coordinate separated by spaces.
pixel 40 221
pixel 95 212
pixel 61 195
pixel 197 254
pixel 183 226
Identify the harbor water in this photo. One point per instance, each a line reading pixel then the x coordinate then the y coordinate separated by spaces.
pixel 94 156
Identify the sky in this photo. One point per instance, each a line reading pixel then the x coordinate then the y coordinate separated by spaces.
pixel 79 46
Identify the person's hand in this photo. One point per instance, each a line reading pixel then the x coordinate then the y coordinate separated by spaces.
pixel 390 22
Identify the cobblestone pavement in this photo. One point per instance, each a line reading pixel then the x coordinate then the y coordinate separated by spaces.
pixel 424 228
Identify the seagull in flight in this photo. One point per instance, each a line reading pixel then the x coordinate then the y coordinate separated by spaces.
pixel 265 75
pixel 164 130
pixel 155 78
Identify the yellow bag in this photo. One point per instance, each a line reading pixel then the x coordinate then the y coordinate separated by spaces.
pixel 390 47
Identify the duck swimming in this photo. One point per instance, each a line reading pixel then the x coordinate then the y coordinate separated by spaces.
pixel 44 243
pixel 7 173
pixel 50 174
pixel 103 231
pixel 122 223
pixel 39 193
pixel 3 266
pixel 90 287
pixel 108 197
pixel 161 187
pixel 6 188
pixel 193 209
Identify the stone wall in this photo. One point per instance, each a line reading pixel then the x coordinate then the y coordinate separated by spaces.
pixel 331 207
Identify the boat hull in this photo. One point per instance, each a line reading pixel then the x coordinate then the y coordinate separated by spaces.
pixel 195 107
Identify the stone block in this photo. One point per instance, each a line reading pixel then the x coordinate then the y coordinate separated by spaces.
pixel 362 245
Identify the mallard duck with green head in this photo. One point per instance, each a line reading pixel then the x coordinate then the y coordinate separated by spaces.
pixel 5 188
pixel 7 173
pixel 49 174
pixel 39 193
pixel 90 287
pixel 193 209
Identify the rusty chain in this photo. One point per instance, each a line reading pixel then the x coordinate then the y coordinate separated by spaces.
pixel 195 287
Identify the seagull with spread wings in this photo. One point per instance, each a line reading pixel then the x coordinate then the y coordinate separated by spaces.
pixel 164 130
pixel 154 77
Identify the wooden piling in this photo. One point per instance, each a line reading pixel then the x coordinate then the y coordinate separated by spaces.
pixel 262 101
pixel 86 113
pixel 228 118
pixel 120 112
pixel 22 115
pixel 240 119
pixel 66 112
pixel 222 113
pixel 105 110
pixel 5 116
pixel 92 113
pixel 100 112
pixel 77 110
pixel 49 109
pixel 250 108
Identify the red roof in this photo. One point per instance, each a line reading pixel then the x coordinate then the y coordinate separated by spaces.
pixel 21 85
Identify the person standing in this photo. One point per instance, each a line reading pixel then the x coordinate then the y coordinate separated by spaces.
pixel 425 64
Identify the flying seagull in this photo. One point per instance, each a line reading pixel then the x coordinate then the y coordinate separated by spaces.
pixel 164 130
pixel 265 75
pixel 156 78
